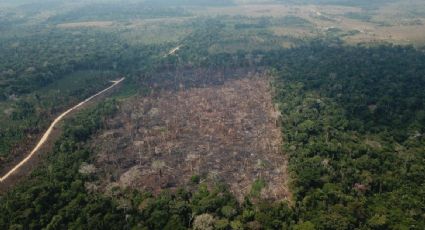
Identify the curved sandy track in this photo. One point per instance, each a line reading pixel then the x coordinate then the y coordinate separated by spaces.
pixel 46 135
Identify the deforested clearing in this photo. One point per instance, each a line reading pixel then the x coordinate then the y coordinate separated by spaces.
pixel 99 24
pixel 225 133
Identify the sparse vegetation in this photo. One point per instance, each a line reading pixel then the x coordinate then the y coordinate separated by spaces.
pixel 195 179
pixel 257 186
pixel 207 131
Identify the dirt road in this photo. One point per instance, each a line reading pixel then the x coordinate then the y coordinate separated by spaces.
pixel 46 135
pixel 173 51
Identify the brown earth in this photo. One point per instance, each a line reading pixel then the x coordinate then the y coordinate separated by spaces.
pixel 224 133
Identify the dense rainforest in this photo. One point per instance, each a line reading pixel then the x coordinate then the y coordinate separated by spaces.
pixel 353 123
pixel 353 120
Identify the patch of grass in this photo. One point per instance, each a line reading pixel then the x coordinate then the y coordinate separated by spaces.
pixel 257 186
pixel 195 179
pixel 295 21
pixel 363 16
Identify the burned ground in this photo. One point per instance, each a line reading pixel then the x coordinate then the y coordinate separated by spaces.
pixel 220 133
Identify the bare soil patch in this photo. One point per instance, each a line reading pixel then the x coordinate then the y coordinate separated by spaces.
pixel 99 24
pixel 224 133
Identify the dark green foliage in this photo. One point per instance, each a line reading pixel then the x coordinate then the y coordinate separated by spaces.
pixel 354 134
pixel 195 179
pixel 54 197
